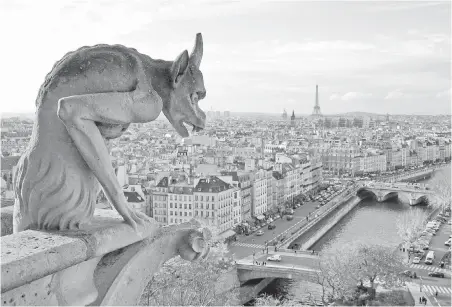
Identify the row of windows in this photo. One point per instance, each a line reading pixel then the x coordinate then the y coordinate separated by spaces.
pixel 181 197
pixel 180 206
pixel 201 213
pixel 185 213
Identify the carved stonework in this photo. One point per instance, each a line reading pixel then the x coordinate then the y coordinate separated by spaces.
pixel 106 264
pixel 90 96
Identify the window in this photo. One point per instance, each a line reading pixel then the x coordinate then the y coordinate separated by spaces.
pixel 202 198
pixel 185 198
pixel 207 206
pixel 202 206
pixel 189 206
pixel 196 197
pixel 185 206
pixel 213 206
pixel 171 213
pixel 185 213
pixel 213 198
pixel 202 213
pixel 171 205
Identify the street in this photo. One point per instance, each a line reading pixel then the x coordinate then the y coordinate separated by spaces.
pixel 433 284
pixel 246 245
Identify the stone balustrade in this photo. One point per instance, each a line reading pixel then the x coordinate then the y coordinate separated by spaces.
pixel 106 263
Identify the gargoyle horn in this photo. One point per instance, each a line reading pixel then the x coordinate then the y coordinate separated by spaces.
pixel 196 54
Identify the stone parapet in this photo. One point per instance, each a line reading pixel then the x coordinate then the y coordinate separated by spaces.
pixel 107 263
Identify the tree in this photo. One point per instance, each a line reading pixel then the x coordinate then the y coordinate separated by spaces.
pixel 343 271
pixel 441 185
pixel 268 300
pixel 410 225
pixel 199 283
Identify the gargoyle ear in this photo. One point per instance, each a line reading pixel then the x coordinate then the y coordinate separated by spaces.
pixel 179 67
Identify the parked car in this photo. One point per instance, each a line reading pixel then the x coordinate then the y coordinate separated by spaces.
pixel 259 233
pixel 416 260
pixel 408 273
pixel 436 274
pixel 271 226
pixel 289 211
pixel 289 217
pixel 447 242
pixel 276 258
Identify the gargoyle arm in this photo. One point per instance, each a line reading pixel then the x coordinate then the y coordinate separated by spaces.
pixel 79 114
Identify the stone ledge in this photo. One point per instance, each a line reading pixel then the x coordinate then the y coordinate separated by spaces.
pixel 31 255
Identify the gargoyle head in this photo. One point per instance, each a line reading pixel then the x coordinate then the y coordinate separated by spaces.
pixel 187 89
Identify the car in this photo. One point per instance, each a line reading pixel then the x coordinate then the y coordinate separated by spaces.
pixel 259 233
pixel 276 258
pixel 436 274
pixel 271 226
pixel 408 273
pixel 447 242
pixel 416 260
pixel 289 217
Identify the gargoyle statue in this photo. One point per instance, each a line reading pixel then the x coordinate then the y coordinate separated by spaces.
pixel 92 95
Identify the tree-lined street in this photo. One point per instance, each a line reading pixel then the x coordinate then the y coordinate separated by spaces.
pixel 245 245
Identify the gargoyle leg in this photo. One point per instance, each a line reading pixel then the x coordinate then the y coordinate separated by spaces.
pixel 79 114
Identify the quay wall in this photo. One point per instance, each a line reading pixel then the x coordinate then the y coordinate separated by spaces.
pixel 312 236
pixel 326 211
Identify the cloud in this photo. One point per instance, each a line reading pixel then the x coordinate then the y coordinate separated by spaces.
pixel 397 94
pixel 403 5
pixel 350 96
pixel 442 94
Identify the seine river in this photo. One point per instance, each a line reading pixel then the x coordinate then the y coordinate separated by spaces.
pixel 369 221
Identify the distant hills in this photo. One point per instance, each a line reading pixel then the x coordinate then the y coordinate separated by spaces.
pixel 239 114
pixel 20 115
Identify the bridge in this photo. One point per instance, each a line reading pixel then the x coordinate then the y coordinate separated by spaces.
pixel 385 191
pixel 301 265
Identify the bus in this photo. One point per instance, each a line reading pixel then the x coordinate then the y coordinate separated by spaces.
pixel 430 257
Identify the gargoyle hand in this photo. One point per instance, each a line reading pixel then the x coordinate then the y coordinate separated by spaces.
pixel 194 244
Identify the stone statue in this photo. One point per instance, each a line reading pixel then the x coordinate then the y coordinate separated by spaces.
pixel 92 95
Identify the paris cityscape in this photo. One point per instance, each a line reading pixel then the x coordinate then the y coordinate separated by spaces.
pixel 325 194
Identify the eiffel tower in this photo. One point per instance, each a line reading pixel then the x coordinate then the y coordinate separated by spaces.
pixel 316 112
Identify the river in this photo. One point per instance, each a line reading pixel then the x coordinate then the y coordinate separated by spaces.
pixel 369 221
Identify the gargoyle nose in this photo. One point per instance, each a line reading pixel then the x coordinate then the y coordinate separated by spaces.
pixel 201 94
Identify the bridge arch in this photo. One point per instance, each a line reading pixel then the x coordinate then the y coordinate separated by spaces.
pixel 365 192
pixel 249 272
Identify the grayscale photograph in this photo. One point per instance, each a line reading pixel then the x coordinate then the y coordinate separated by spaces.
pixel 226 153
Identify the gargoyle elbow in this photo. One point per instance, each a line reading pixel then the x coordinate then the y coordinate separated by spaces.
pixel 65 111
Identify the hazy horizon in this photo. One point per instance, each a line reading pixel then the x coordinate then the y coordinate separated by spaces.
pixel 259 55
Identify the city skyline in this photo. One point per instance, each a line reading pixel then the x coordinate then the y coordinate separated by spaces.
pixel 377 57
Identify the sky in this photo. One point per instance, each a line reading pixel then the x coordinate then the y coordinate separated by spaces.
pixel 259 55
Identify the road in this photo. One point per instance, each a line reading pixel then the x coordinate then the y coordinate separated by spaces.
pixel 433 284
pixel 246 245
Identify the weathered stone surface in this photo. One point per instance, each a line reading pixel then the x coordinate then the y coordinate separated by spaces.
pixel 7 220
pixel 108 262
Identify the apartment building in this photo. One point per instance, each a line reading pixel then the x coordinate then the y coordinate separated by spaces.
pixel 180 203
pixel 259 193
pixel 214 202
pixel 160 201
